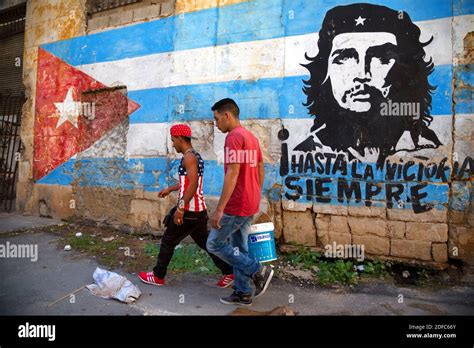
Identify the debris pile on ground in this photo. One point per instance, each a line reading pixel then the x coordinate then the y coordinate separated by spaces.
pixel 112 285
pixel 278 311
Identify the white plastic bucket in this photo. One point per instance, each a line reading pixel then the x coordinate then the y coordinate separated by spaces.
pixel 261 242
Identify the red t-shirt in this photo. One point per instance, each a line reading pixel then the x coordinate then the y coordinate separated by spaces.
pixel 243 147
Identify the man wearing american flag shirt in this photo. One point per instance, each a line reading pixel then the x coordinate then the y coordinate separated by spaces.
pixel 190 217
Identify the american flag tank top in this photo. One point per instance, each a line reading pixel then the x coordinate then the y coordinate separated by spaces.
pixel 197 202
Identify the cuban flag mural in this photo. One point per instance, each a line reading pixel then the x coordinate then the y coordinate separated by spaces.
pixel 353 102
pixel 68 122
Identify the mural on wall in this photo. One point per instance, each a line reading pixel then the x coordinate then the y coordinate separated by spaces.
pixel 368 85
pixel 365 119
pixel 72 112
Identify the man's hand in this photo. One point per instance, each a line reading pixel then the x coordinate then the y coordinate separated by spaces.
pixel 230 180
pixel 216 218
pixel 178 217
pixel 163 193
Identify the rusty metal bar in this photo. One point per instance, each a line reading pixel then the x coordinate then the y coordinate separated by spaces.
pixel 4 173
pixel 16 150
pixel 10 146
pixel 104 5
pixel 12 20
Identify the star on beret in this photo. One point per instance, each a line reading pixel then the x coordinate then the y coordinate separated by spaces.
pixel 360 21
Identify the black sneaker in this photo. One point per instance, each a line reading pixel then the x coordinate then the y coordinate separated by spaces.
pixel 262 279
pixel 238 298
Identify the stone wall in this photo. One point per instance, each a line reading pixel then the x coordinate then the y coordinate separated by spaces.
pixel 339 168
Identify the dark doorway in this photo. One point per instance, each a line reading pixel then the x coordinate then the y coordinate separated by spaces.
pixel 12 98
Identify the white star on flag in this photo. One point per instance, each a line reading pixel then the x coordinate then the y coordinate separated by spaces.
pixel 69 110
pixel 360 20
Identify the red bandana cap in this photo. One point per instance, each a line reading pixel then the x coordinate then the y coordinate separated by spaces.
pixel 180 130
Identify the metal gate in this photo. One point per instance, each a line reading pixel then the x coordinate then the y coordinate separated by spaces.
pixel 12 98
pixel 10 120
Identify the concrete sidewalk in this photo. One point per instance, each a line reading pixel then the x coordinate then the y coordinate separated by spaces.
pixel 14 221
pixel 28 287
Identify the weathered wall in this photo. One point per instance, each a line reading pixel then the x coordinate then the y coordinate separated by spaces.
pixel 377 157
pixel 46 21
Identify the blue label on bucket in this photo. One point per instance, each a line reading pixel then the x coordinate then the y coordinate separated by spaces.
pixel 262 246
pixel 260 238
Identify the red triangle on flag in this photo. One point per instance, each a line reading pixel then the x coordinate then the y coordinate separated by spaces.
pixel 72 112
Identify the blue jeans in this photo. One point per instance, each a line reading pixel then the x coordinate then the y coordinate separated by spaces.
pixel 229 243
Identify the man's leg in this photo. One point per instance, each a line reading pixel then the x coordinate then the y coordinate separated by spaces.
pixel 218 243
pixel 171 238
pixel 263 276
pixel 199 234
pixel 240 243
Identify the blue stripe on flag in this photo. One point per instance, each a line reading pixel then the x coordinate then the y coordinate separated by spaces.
pixel 243 22
pixel 154 173
pixel 463 7
pixel 260 99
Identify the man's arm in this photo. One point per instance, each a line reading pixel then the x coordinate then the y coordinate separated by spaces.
pixel 230 180
pixel 173 188
pixel 261 174
pixel 166 191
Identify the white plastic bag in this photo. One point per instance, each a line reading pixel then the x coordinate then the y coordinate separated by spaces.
pixel 112 285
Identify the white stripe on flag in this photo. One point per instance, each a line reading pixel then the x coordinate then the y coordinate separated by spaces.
pixel 200 205
pixel 146 143
pixel 192 206
pixel 181 186
pixel 251 60
pixel 147 139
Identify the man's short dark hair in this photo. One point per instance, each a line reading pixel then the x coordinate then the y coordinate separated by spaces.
pixel 228 105
pixel 186 139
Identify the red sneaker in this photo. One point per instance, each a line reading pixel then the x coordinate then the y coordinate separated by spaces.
pixel 150 278
pixel 226 281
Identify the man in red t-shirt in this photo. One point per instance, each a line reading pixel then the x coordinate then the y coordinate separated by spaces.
pixel 239 201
